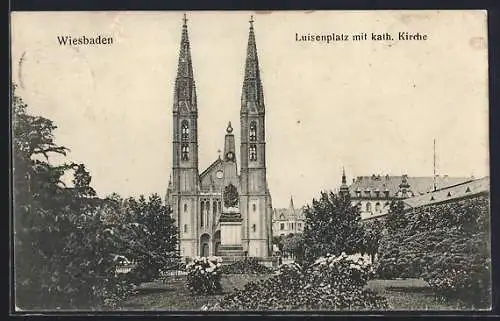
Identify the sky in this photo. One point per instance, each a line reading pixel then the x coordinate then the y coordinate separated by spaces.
pixel 371 107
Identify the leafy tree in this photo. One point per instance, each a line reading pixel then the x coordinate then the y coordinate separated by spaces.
pixel 332 227
pixel 278 240
pixel 148 237
pixel 62 256
pixel 396 219
pixel 294 244
pixel 445 244
pixel 373 233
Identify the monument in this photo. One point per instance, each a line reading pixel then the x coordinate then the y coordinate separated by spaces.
pixel 230 223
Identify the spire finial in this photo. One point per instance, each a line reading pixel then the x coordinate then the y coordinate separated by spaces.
pixel 229 128
pixel 251 21
pixel 184 19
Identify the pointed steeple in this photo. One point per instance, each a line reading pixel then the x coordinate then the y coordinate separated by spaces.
pixel 252 96
pixel 185 88
pixel 344 188
pixel 291 203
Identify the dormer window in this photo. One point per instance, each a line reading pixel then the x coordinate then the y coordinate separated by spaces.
pixel 253 131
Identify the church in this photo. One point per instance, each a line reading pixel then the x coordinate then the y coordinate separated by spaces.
pixel 224 210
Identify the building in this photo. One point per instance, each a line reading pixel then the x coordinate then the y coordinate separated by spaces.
pixel 373 194
pixel 468 189
pixel 220 211
pixel 288 220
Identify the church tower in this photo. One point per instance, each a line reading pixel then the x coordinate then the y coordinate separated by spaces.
pixel 254 198
pixel 185 177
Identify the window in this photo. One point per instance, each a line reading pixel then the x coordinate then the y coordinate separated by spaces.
pixel 254 227
pixel 185 228
pixel 214 207
pixel 254 207
pixel 185 152
pixel 377 207
pixel 202 213
pixel 299 225
pixel 282 226
pixel 253 152
pixel 253 131
pixel 368 207
pixel 185 207
pixel 282 217
pixel 184 130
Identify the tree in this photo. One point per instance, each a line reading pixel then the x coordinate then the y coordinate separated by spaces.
pixel 396 219
pixel 447 245
pixel 63 258
pixel 373 233
pixel 148 237
pixel 294 244
pixel 278 240
pixel 332 227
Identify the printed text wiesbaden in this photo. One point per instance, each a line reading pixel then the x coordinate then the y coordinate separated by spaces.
pixel 84 40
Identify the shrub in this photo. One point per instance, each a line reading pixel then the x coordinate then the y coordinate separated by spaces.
pixel 246 266
pixel 331 283
pixel 203 275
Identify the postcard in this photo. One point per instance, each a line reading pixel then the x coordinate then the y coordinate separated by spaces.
pixel 208 161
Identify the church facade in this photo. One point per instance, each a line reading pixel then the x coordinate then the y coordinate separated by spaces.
pixel 223 210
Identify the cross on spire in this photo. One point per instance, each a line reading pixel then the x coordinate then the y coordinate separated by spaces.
pixel 251 21
pixel 184 19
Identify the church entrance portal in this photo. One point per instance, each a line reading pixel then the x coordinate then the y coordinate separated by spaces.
pixel 204 245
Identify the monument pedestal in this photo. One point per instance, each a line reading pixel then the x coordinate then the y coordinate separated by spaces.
pixel 230 236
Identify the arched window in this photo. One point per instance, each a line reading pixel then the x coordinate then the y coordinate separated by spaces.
pixel 214 207
pixel 185 130
pixel 254 207
pixel 254 227
pixel 377 207
pixel 185 207
pixel 368 207
pixel 253 131
pixel 185 152
pixel 185 228
pixel 253 152
pixel 202 213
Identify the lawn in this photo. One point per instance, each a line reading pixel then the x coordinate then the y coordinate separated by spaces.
pixel 413 294
pixel 409 294
pixel 174 296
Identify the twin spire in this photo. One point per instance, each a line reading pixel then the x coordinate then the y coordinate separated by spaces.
pixel 252 96
pixel 185 87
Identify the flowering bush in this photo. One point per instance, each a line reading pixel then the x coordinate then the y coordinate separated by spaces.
pixel 247 266
pixel 330 283
pixel 203 275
